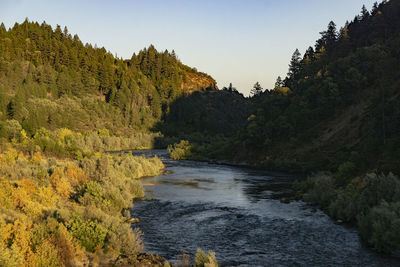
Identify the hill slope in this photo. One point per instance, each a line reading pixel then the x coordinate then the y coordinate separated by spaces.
pixel 49 78
pixel 344 101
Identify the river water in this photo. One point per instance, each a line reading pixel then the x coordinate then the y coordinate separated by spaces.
pixel 237 213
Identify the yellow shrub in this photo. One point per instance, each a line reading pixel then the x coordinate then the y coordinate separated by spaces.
pixel 47 197
pixel 33 210
pixel 36 158
pixel 76 175
pixel 9 156
pixel 69 251
pixel 22 238
pixel 28 186
pixel 46 255
pixel 15 243
pixel 19 197
pixel 5 193
pixel 22 194
pixel 20 156
pixel 62 133
pixel 60 183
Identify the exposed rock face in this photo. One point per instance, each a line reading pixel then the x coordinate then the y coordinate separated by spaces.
pixel 198 82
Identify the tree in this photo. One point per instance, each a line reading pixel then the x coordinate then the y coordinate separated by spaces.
pixel 231 88
pixel 256 90
pixel 328 37
pixel 309 55
pixel 374 8
pixel 2 28
pixel 279 82
pixel 344 32
pixel 364 12
pixel 294 66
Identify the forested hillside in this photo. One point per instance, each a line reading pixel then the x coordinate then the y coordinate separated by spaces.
pixel 342 104
pixel 49 78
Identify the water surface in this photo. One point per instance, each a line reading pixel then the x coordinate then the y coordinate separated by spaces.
pixel 237 213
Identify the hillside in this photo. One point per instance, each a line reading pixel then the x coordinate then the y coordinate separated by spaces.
pixel 343 104
pixel 209 113
pixel 49 78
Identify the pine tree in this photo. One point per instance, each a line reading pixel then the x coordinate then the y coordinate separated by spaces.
pixel 309 55
pixel 328 37
pixel 364 12
pixel 374 8
pixel 279 82
pixel 2 28
pixel 256 90
pixel 294 66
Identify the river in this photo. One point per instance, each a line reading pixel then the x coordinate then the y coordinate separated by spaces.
pixel 237 213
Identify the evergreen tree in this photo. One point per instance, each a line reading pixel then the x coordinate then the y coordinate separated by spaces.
pixel 256 90
pixel 328 37
pixel 309 55
pixel 364 12
pixel 294 66
pixel 279 82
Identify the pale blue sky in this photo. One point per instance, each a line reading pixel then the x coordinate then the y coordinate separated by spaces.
pixel 238 41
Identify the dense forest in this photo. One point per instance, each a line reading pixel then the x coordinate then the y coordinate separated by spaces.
pixel 342 101
pixel 50 79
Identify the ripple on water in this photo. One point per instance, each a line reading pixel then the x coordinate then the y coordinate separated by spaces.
pixel 233 211
pixel 250 239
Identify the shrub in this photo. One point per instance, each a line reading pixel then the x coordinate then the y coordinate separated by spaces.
pixel 76 175
pixel 180 151
pixel 321 190
pixel 380 227
pixel 378 188
pixel 203 260
pixel 345 171
pixel 89 232
pixel 46 255
pixel 345 207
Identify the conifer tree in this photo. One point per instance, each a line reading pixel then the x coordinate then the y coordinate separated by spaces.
pixel 256 90
pixel 279 82
pixel 364 12
pixel 294 66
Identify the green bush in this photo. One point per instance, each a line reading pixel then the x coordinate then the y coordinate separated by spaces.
pixel 345 207
pixel 89 232
pixel 345 171
pixel 180 151
pixel 380 227
pixel 378 188
pixel 321 189
pixel 372 201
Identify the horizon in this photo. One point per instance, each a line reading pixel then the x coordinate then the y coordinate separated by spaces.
pixel 236 62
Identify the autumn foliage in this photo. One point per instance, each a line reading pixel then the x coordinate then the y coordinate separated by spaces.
pixel 63 212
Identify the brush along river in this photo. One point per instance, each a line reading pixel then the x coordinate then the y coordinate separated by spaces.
pixel 237 213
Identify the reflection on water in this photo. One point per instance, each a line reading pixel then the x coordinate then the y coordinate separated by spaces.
pixel 237 213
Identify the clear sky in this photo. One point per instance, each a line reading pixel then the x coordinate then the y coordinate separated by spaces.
pixel 238 41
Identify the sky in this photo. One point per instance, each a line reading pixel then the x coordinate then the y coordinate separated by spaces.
pixel 235 41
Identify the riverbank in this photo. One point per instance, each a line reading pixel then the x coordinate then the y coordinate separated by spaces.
pixel 60 211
